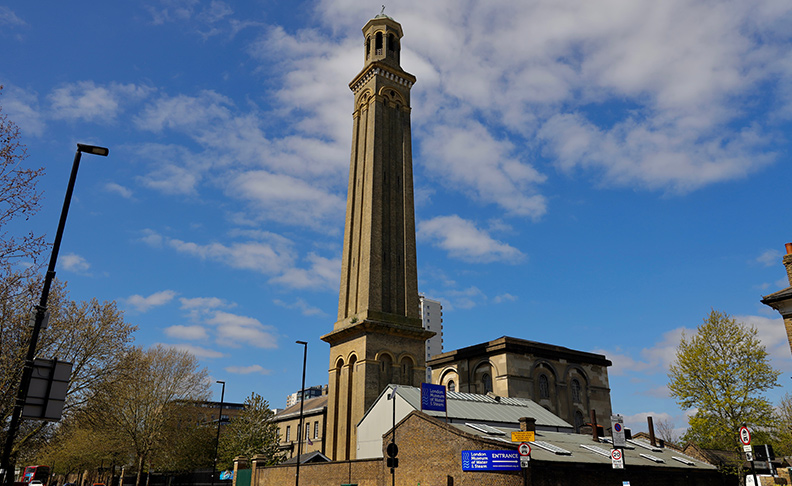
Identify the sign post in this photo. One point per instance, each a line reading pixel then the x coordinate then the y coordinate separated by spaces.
pixel 745 439
pixel 617 431
pixel 491 460
pixel 617 459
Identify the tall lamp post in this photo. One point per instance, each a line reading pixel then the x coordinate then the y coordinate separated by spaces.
pixel 300 424
pixel 41 310
pixel 219 420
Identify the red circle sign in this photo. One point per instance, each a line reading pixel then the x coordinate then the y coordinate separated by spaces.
pixel 616 454
pixel 745 436
pixel 524 449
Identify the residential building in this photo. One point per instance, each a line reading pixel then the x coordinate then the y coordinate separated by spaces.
pixel 432 319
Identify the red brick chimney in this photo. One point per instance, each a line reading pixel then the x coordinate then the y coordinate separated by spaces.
pixel 788 262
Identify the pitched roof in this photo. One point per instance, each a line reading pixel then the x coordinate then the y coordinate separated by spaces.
pixel 778 296
pixel 483 408
pixel 311 406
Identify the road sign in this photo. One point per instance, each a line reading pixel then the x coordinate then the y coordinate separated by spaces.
pixel 747 448
pixel 617 431
pixel 433 397
pixel 490 461
pixel 617 460
pixel 749 456
pixel 524 449
pixel 745 435
pixel 525 461
pixel 523 436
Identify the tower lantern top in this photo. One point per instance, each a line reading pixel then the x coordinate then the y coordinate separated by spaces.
pixel 383 40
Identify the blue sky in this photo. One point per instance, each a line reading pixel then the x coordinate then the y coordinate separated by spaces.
pixel 595 175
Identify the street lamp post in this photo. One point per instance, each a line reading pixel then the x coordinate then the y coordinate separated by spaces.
pixel 219 420
pixel 41 311
pixel 300 424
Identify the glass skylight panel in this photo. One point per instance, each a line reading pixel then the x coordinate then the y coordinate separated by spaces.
pixel 551 448
pixel 683 460
pixel 596 450
pixel 485 428
pixel 652 458
pixel 645 445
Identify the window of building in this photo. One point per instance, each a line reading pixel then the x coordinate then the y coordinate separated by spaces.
pixel 544 387
pixel 578 421
pixel 307 430
pixel 451 386
pixel 486 382
pixel 288 433
pixel 297 435
pixel 378 44
pixel 316 430
pixel 575 391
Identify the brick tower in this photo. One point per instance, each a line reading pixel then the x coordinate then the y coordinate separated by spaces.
pixel 378 338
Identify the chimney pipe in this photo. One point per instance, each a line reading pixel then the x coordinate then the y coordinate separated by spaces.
pixel 527 424
pixel 652 439
pixel 788 262
pixel 594 431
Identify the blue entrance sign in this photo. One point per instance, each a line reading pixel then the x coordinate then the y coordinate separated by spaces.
pixel 490 461
pixel 433 397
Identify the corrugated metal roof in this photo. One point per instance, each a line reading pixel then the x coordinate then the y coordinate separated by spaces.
pixel 485 408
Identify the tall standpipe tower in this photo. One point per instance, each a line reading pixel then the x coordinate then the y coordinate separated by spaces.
pixel 378 338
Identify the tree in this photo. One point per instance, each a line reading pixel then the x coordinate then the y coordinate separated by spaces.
pixel 722 372
pixel 782 435
pixel 92 335
pixel 156 388
pixel 252 432
pixel 19 198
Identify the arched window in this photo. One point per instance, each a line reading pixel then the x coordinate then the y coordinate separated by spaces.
pixel 386 370
pixel 393 43
pixel 578 421
pixel 407 371
pixel 451 386
pixel 378 44
pixel 368 47
pixel 486 382
pixel 544 387
pixel 575 391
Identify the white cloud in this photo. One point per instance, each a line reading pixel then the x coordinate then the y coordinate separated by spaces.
pixel 772 333
pixel 323 273
pixel 187 332
pixel 507 297
pixel 235 330
pixel 23 109
pixel 122 191
pixel 247 370
pixel 197 351
pixel 143 304
pixel 9 18
pixel 463 240
pixel 769 258
pixel 75 263
pixel 88 101
pixel 304 308
pixel 203 303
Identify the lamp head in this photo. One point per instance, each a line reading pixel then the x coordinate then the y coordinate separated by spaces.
pixel 93 149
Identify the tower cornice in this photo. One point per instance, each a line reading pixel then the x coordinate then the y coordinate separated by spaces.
pixel 381 69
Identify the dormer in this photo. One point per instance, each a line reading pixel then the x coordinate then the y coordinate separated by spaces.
pixel 382 40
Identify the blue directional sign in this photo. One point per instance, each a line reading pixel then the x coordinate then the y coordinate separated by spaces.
pixel 433 397
pixel 490 461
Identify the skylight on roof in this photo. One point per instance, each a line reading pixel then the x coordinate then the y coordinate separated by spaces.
pixel 485 428
pixel 683 460
pixel 551 448
pixel 652 458
pixel 645 445
pixel 596 450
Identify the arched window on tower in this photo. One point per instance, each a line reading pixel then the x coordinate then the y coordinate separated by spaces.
pixel 407 371
pixel 486 383
pixel 368 47
pixel 386 370
pixel 378 44
pixel 451 386
pixel 544 386
pixel 575 391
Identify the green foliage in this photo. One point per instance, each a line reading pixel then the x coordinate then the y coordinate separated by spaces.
pixel 721 372
pixel 252 432
pixel 782 434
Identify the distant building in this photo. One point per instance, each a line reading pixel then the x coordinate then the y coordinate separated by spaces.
pixel 566 382
pixel 432 318
pixel 312 392
pixel 290 432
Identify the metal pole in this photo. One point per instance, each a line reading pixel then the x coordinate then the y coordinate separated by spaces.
pixel 41 310
pixel 393 433
pixel 217 442
pixel 300 424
